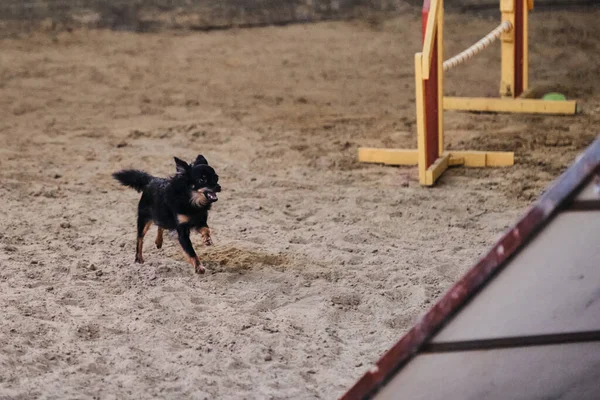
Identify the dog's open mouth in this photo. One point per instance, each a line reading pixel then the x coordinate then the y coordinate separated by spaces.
pixel 210 195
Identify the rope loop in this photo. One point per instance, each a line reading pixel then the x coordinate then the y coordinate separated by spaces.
pixel 505 26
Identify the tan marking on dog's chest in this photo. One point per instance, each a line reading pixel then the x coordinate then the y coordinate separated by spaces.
pixel 182 219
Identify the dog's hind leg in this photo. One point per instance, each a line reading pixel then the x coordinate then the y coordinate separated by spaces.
pixel 143 224
pixel 159 238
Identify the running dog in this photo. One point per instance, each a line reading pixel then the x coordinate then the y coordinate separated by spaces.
pixel 178 203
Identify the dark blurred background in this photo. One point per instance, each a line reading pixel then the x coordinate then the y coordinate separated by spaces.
pixel 150 15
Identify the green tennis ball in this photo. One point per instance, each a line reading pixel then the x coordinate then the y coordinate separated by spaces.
pixel 554 96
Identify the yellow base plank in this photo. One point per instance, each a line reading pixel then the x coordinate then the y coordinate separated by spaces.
pixel 483 158
pixel 500 159
pixel 469 158
pixel 526 106
pixel 436 170
pixel 448 159
pixel 456 161
pixel 459 157
pixel 388 156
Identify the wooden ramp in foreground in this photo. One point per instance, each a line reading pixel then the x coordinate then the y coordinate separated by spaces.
pixel 524 322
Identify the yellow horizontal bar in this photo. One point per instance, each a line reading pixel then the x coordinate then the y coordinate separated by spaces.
pixel 436 170
pixel 469 159
pixel 388 156
pixel 483 158
pixel 526 106
pixel 500 159
pixel 455 161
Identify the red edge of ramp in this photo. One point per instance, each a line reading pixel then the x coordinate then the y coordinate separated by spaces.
pixel 559 195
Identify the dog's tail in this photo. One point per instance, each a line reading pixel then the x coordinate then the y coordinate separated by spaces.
pixel 133 178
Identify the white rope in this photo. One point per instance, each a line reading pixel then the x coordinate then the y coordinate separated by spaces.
pixel 479 46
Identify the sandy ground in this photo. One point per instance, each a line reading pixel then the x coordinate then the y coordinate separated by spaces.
pixel 319 263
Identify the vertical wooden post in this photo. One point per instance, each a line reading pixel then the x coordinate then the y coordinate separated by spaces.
pixel 421 120
pixel 514 75
pixel 519 47
pixel 431 97
pixel 440 68
pixel 507 79
pixel 527 5
pixel 424 16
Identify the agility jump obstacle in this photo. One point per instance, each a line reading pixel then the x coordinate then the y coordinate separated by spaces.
pixel 430 156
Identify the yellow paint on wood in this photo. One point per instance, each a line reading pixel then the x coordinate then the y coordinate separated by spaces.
pixel 387 156
pixel 507 5
pixel 455 161
pixel 500 159
pixel 526 106
pixel 507 53
pixel 525 45
pixel 440 68
pixel 430 31
pixel 472 158
pixel 436 170
pixel 467 158
pixel 420 108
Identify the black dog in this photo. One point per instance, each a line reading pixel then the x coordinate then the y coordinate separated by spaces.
pixel 180 203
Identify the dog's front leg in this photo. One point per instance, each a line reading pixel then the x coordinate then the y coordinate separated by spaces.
pixel 183 232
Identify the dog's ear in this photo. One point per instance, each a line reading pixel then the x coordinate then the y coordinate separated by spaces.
pixel 182 166
pixel 200 160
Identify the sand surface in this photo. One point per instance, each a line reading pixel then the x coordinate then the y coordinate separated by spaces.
pixel 319 263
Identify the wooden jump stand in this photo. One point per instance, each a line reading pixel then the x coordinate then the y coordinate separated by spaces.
pixel 430 155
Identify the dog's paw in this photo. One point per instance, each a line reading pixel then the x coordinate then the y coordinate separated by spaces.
pixel 158 244
pixel 139 259
pixel 198 267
